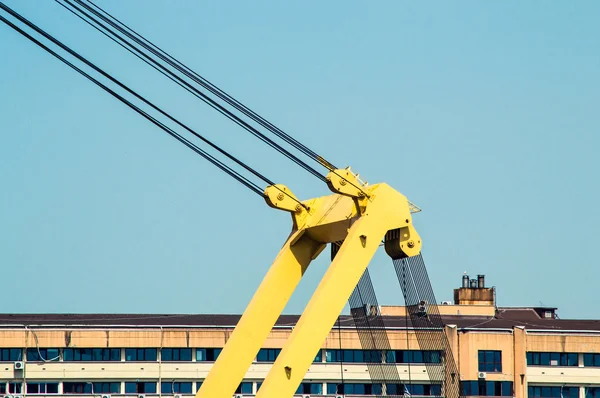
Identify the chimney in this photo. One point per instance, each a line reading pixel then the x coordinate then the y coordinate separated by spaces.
pixel 465 281
pixel 481 281
pixel 474 292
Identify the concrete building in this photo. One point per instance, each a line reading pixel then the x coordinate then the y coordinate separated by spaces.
pixel 520 352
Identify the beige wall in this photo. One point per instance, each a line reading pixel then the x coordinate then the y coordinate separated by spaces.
pixel 465 345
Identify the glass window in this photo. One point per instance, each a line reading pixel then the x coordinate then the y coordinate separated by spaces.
pixel 267 354
pixel 106 388
pixel 77 388
pixel 42 354
pixel 556 359
pixel 591 360
pixel 176 387
pixel 141 354
pixel 482 388
pixel 355 389
pixel 348 356
pixel 410 389
pixel 572 359
pixel 319 357
pixel 198 385
pixel 244 388
pixel 592 392
pixel 331 388
pixel 412 356
pixel 431 357
pixel 310 388
pixel 490 361
pixel 332 356
pixel 176 354
pixel 15 388
pixel 417 357
pixel 42 388
pixel 544 358
pixel 92 354
pixel 207 354
pixel 140 388
pixel 588 359
pixel 11 354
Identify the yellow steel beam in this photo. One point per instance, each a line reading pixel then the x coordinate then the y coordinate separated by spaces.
pixel 260 317
pixel 388 210
pixel 357 214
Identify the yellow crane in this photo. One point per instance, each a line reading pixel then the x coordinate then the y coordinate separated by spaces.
pixel 354 220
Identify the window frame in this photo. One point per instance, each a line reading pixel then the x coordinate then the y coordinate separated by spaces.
pixel 489 361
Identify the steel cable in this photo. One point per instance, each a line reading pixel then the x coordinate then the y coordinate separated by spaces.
pixel 213 88
pixel 140 40
pixel 228 170
pixel 199 94
pixel 428 325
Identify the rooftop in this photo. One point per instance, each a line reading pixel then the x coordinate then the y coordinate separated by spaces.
pixel 502 318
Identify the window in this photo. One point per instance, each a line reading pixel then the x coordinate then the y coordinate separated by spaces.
pixel 354 388
pixel 310 388
pixel 490 361
pixel 140 387
pixel 547 391
pixel 244 388
pixel 176 387
pixel 92 388
pixel 42 388
pixel 553 359
pixel 592 392
pixel 198 385
pixel 43 354
pixel 140 354
pixel 176 354
pixel 271 354
pixel 414 389
pixel 91 354
pixel 106 388
pixel 591 359
pixel 207 354
pixel 487 388
pixel 413 356
pixel 77 388
pixel 267 354
pixel 15 388
pixel 2 388
pixel 357 356
pixel 11 354
pixel 319 357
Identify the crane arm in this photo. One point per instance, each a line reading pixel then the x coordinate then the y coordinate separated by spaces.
pixel 360 216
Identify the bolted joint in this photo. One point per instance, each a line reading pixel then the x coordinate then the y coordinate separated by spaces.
pixel 279 196
pixel 344 182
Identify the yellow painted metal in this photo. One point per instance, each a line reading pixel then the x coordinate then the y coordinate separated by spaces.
pixel 260 317
pixel 357 214
pixel 388 211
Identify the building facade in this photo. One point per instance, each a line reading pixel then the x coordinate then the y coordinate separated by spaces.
pixel 520 352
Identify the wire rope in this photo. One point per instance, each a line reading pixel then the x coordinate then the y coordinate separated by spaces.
pixel 228 170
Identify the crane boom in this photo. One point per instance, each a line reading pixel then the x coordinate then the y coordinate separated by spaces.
pixel 357 215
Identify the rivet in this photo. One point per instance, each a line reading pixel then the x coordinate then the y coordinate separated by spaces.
pixel 280 196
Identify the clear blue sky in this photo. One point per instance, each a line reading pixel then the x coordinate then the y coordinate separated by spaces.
pixel 485 114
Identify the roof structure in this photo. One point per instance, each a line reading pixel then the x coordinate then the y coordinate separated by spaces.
pixel 505 318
